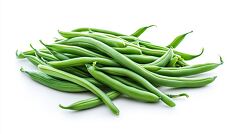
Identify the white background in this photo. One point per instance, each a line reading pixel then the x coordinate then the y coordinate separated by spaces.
pixel 27 107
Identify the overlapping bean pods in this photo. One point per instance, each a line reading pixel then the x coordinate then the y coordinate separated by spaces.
pixel 110 64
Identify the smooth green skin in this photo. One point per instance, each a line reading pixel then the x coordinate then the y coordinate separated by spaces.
pixel 90 103
pixel 73 50
pixel 172 62
pixel 164 60
pixel 82 82
pixel 31 52
pixel 129 50
pixel 122 88
pixel 126 62
pixel 185 56
pixel 143 59
pixel 59 85
pixel 127 82
pixel 178 40
pixel 82 61
pixel 182 63
pixel 140 80
pixel 88 60
pixel 113 42
pixel 34 60
pixel 188 70
pixel 46 56
pixel 141 30
pixel 94 101
pixel 97 30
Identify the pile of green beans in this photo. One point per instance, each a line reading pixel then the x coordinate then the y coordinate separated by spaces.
pixel 110 64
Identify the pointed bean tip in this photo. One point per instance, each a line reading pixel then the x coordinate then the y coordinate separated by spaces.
pixel 221 60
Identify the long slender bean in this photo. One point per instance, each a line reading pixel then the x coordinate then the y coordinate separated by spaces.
pixel 189 70
pixel 164 60
pixel 178 40
pixel 124 89
pixel 140 80
pixel 82 82
pixel 126 62
pixel 141 30
pixel 97 30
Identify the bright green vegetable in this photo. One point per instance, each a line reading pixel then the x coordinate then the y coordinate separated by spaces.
pixel 141 30
pixel 124 89
pixel 53 83
pixel 82 82
pixel 178 40
pixel 140 80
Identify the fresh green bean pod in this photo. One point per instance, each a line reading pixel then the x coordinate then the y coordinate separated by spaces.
pixel 126 62
pixel 84 29
pixel 188 70
pixel 164 60
pixel 73 50
pixel 178 40
pixel 94 101
pixel 113 42
pixel 141 30
pixel 185 56
pixel 129 50
pixel 31 52
pixel 82 82
pixel 90 103
pixel 143 59
pixel 59 85
pixel 140 80
pixel 124 89
pixel 127 82
pixel 82 61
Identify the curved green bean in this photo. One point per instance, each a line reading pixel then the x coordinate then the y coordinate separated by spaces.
pixel 129 50
pixel 97 30
pixel 126 62
pixel 143 59
pixel 189 70
pixel 141 30
pixel 140 80
pixel 178 40
pixel 82 82
pixel 59 85
pixel 124 89
pixel 164 60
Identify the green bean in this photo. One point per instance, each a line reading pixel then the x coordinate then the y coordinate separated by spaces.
pixel 181 62
pixel 126 62
pixel 46 56
pixel 151 68
pixel 60 85
pixel 164 60
pixel 31 52
pixel 94 101
pixel 140 80
pixel 82 61
pixel 127 82
pixel 178 40
pixel 33 59
pixel 141 30
pixel 189 70
pixel 129 38
pixel 113 42
pixel 143 59
pixel 82 82
pixel 129 50
pixel 185 56
pixel 124 89
pixel 172 62
pixel 90 103
pixel 97 30
pixel 73 50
